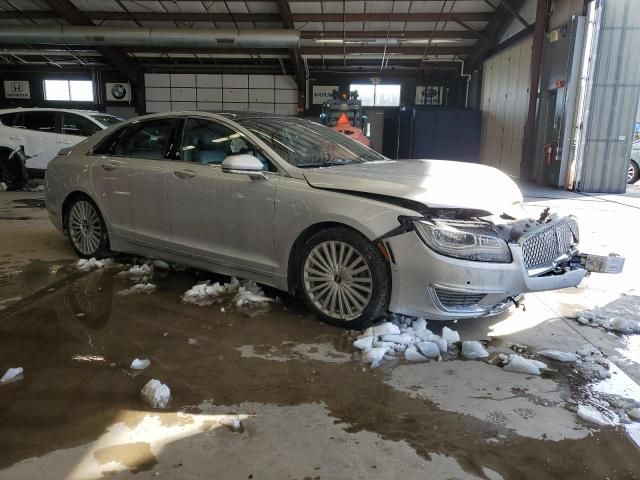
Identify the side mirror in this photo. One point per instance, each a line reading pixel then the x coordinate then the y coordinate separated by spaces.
pixel 242 163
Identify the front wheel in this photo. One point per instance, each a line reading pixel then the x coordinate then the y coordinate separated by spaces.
pixel 633 174
pixel 344 278
pixel 87 231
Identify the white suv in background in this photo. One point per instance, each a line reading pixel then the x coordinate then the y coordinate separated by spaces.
pixel 42 132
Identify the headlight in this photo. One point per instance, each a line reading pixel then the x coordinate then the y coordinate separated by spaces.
pixel 467 240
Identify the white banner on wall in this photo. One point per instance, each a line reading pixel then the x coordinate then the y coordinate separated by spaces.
pixel 322 93
pixel 17 89
pixel 118 92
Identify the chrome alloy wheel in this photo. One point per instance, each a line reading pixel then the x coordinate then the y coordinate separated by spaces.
pixel 338 280
pixel 85 228
pixel 631 172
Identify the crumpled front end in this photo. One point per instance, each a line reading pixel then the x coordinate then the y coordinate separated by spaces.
pixel 541 256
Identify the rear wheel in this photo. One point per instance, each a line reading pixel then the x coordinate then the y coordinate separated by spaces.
pixel 344 278
pixel 633 174
pixel 87 231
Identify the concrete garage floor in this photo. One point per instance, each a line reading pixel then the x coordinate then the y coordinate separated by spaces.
pixel 309 409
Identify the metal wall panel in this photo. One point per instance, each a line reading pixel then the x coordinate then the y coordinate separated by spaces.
pixel 614 99
pixel 505 97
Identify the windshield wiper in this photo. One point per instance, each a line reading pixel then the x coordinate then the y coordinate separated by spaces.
pixel 331 163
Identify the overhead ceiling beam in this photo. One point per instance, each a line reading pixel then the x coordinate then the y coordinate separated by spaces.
pixel 485 47
pixel 115 56
pixel 446 34
pixel 254 17
pixel 389 50
pixel 296 59
pixel 474 32
pixel 149 16
pixel 391 17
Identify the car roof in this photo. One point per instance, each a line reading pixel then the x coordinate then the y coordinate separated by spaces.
pixel 48 109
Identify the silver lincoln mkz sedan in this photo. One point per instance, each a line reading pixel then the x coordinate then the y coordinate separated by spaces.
pixel 295 205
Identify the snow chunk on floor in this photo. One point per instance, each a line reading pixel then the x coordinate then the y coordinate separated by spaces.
pixel 591 415
pixel 451 336
pixel 412 355
pixel 558 355
pixel 429 349
pixel 245 293
pixel 156 394
pixel 250 294
pixel 375 355
pixel 386 328
pixel 86 265
pixel 139 364
pixel 406 337
pixel 11 375
pixel 624 325
pixel 634 413
pixel 402 338
pixel 141 273
pixel 520 364
pixel 607 321
pixel 473 350
pixel 138 288
pixel 364 343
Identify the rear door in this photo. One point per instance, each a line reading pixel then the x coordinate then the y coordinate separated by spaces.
pixel 224 217
pixel 130 180
pixel 38 132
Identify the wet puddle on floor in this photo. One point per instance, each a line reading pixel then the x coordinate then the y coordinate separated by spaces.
pixel 283 374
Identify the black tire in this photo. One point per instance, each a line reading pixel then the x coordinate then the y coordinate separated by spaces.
pixel 378 275
pixel 634 172
pixel 99 247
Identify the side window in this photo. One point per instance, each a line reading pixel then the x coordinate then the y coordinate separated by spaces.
pixel 149 139
pixel 73 124
pixel 40 121
pixel 209 142
pixel 8 118
pixel 106 146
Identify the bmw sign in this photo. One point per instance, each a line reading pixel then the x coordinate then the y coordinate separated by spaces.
pixel 118 92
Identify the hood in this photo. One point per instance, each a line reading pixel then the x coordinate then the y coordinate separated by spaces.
pixel 433 183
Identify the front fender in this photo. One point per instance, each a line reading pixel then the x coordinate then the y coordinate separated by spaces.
pixel 300 207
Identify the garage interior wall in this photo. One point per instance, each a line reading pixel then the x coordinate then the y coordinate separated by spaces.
pixel 504 103
pixel 205 91
pixel 614 100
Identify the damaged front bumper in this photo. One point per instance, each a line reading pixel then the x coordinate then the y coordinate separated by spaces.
pixel 429 284
pixel 438 287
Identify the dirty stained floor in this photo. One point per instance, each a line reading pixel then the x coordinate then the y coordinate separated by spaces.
pixel 308 408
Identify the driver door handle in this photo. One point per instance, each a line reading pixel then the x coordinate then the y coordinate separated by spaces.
pixel 184 174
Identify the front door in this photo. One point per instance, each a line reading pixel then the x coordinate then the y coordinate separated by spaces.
pixel 222 217
pixel 130 178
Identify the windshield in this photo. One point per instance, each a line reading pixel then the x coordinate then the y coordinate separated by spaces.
pixel 107 120
pixel 306 144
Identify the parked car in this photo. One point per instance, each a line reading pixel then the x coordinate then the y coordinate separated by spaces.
pixel 300 207
pixel 633 175
pixel 37 134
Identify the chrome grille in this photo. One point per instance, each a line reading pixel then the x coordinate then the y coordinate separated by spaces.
pixel 453 300
pixel 543 246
